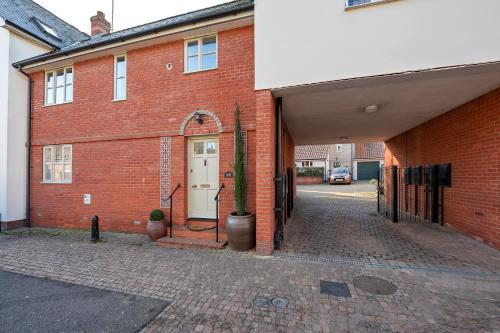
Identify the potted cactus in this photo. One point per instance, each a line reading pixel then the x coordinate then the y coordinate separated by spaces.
pixel 156 228
pixel 240 226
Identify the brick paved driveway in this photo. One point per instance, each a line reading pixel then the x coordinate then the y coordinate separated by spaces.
pixel 215 291
pixel 341 222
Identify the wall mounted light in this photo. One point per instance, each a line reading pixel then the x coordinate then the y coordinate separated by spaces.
pixel 371 108
pixel 198 118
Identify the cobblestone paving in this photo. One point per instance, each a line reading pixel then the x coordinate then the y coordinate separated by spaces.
pixel 341 222
pixel 214 291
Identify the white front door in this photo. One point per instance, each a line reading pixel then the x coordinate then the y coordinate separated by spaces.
pixel 203 173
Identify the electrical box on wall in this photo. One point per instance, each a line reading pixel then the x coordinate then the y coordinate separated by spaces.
pixel 428 175
pixel 408 179
pixel 445 174
pixel 87 199
pixel 417 175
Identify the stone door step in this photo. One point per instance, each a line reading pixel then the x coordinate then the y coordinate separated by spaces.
pixel 191 242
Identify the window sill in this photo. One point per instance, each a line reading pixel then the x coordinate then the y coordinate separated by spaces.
pixel 49 105
pixel 200 71
pixel 59 183
pixel 368 4
pixel 119 100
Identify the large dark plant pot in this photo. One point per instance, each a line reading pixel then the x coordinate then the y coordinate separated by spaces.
pixel 156 229
pixel 241 232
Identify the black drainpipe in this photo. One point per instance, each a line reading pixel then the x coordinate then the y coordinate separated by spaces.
pixel 278 234
pixel 28 158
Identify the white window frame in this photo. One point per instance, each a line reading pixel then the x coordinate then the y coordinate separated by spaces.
pixel 200 53
pixel 339 148
pixel 115 78
pixel 52 164
pixel 54 88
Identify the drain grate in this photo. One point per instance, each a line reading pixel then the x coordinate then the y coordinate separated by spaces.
pixel 338 289
pixel 262 302
pixel 374 285
pixel 280 302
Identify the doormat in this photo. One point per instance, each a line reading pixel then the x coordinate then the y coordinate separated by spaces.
pixel 374 285
pixel 338 289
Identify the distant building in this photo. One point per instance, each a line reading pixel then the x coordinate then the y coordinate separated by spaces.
pixel 341 155
pixel 314 156
pixel 368 158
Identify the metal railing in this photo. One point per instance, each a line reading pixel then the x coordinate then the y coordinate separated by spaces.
pixel 171 222
pixel 217 199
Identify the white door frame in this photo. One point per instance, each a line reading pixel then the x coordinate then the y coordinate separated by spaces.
pixel 204 138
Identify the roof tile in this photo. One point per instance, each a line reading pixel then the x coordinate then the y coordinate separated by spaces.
pixel 372 150
pixel 317 152
pixel 29 16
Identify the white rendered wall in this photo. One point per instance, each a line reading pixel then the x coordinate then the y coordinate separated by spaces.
pixel 4 102
pixel 301 42
pixel 14 133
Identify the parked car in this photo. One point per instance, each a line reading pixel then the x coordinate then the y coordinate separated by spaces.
pixel 340 175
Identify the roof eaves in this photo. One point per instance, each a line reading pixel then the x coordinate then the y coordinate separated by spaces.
pixel 42 40
pixel 202 18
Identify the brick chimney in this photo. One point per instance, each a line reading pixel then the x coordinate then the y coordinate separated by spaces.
pixel 99 25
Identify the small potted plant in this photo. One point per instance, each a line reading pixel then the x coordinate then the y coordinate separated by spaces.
pixel 240 225
pixel 156 225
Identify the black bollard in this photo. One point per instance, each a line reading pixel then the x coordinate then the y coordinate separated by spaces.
pixel 95 229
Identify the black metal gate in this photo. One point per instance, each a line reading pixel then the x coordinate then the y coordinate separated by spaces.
pixel 414 193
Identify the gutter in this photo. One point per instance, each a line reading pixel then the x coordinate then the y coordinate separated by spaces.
pixel 28 141
pixel 142 33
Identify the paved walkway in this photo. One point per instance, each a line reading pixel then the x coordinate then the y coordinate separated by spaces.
pixel 341 223
pixel 215 291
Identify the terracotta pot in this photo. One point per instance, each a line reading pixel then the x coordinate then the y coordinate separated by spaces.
pixel 156 229
pixel 241 232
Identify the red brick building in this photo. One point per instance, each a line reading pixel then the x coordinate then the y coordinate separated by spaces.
pixel 122 118
pixel 472 146
pixel 118 120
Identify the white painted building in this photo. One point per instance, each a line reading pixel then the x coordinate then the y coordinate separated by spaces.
pixel 26 30
pixel 14 46
pixel 412 59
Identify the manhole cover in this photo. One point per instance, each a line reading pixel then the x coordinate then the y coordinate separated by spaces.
pixel 338 289
pixel 279 302
pixel 261 302
pixel 374 285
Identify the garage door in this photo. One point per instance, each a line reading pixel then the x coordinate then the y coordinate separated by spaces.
pixel 368 170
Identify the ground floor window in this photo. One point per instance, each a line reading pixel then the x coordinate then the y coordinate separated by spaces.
pixel 57 164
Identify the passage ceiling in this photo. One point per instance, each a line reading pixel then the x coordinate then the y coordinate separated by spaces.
pixel 334 112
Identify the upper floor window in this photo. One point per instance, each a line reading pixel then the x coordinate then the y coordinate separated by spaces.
pixel 200 54
pixel 120 77
pixel 48 29
pixel 59 86
pixel 355 3
pixel 339 148
pixel 57 164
